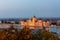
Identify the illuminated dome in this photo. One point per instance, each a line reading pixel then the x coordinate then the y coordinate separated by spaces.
pixel 34 18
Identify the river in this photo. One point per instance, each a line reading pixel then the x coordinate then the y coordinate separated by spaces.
pixel 52 29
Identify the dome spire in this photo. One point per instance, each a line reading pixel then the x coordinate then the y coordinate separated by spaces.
pixel 34 16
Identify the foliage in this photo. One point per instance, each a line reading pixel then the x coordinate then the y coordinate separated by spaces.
pixel 25 34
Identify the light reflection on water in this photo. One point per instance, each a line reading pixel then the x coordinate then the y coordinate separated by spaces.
pixel 52 29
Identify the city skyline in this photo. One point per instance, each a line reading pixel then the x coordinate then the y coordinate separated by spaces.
pixel 29 8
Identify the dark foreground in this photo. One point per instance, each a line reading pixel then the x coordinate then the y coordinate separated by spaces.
pixel 26 34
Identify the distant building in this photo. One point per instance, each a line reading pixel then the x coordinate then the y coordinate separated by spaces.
pixel 58 22
pixel 34 23
pixel 0 22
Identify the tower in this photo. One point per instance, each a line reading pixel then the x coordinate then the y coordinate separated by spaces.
pixel 34 19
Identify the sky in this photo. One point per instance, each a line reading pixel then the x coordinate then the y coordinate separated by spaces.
pixel 29 8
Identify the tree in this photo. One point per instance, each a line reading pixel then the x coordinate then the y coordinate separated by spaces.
pixel 46 35
pixel 25 34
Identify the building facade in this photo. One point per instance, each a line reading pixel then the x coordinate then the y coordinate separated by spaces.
pixel 34 23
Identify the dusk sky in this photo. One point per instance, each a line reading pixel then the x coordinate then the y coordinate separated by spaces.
pixel 29 8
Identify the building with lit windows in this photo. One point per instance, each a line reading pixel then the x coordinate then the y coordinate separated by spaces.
pixel 34 23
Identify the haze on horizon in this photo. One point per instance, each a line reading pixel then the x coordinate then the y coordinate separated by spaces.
pixel 29 8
